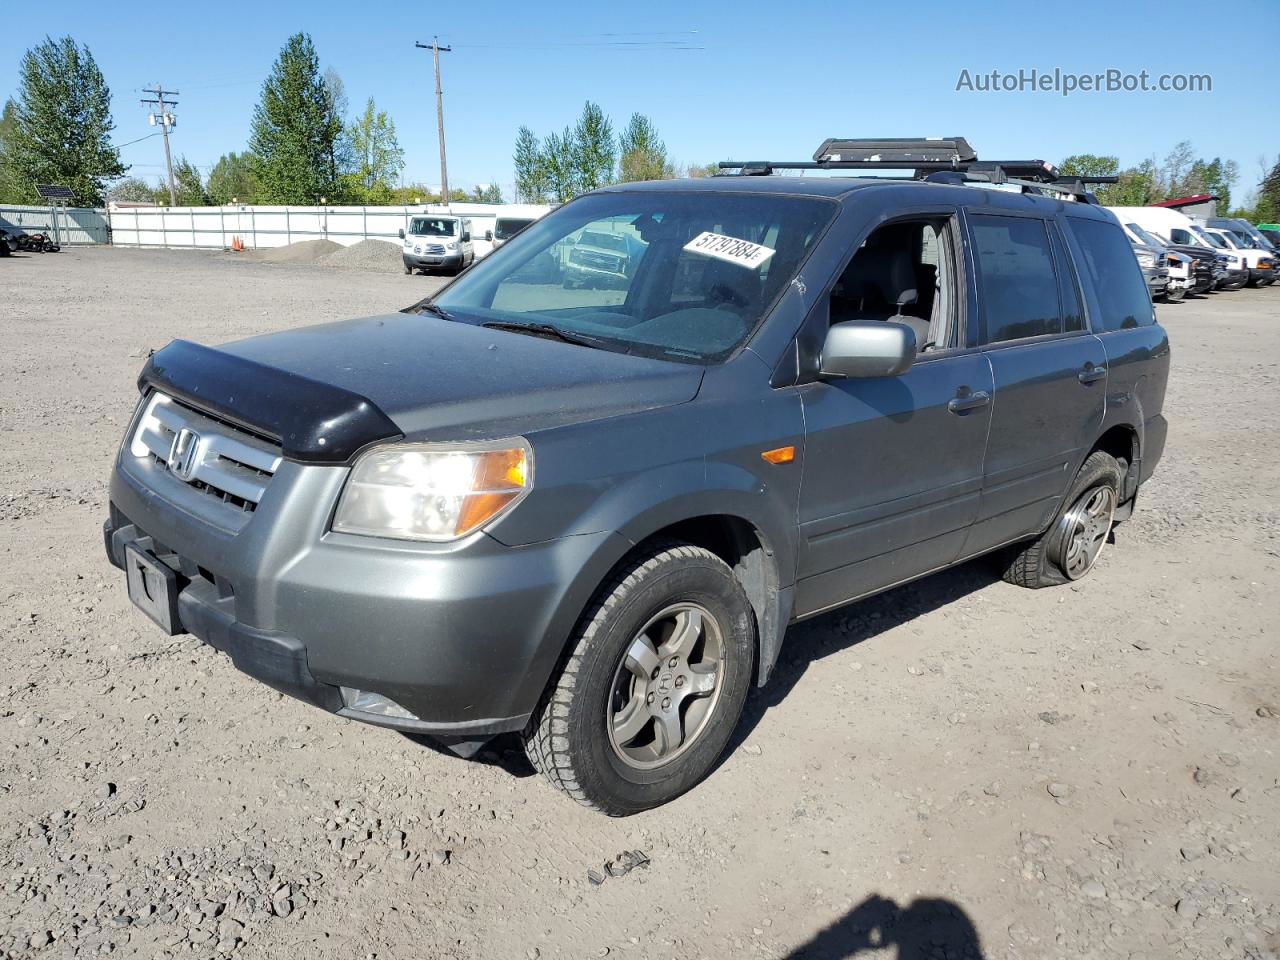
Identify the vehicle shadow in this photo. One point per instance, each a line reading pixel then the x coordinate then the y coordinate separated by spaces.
pixel 921 930
pixel 831 633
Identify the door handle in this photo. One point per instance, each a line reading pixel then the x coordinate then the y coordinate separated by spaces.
pixel 1091 373
pixel 968 401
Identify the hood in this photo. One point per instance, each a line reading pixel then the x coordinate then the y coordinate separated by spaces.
pixel 328 390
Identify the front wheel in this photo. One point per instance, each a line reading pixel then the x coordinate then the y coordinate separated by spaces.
pixel 1070 548
pixel 653 686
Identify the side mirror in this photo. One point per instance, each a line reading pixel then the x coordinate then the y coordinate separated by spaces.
pixel 466 237
pixel 868 348
pixel 488 235
pixel 401 234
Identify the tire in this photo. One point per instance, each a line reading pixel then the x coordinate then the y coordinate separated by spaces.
pixel 408 271
pixel 601 732
pixel 1070 548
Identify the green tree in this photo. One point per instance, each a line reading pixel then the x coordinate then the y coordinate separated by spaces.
pixel 594 151
pixel 696 170
pixel 134 190
pixel 1216 177
pixel 532 183
pixel 233 178
pixel 188 185
pixel 559 158
pixel 296 129
pixel 378 157
pixel 486 193
pixel 1180 177
pixel 644 155
pixel 62 124
pixel 1267 209
pixel 10 189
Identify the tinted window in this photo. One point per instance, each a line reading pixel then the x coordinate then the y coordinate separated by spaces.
pixel 1182 236
pixel 1068 286
pixel 1016 279
pixel 1115 275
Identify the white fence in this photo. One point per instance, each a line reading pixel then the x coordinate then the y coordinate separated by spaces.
pixel 260 226
pixel 76 225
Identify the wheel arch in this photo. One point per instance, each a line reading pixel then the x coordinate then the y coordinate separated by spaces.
pixel 1123 442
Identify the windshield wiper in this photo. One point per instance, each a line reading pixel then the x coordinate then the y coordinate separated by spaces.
pixel 549 330
pixel 429 306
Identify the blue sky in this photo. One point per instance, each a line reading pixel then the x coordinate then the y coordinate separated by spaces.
pixel 755 80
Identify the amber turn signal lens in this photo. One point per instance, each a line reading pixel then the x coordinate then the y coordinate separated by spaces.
pixel 779 455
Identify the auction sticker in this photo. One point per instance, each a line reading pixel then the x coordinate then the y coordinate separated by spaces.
pixel 730 249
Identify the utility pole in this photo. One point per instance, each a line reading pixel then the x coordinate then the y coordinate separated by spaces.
pixel 436 50
pixel 165 119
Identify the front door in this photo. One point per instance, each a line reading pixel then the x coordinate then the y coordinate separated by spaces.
pixel 893 465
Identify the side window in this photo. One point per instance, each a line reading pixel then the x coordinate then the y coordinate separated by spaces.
pixel 906 260
pixel 1017 285
pixel 1068 285
pixel 1178 235
pixel 1115 276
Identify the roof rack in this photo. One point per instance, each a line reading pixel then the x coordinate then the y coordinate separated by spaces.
pixel 937 159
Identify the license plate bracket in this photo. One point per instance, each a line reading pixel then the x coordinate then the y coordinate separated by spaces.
pixel 153 588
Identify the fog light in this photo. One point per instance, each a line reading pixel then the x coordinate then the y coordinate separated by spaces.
pixel 366 701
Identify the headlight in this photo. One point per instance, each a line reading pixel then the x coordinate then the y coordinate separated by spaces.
pixel 1146 259
pixel 451 245
pixel 431 491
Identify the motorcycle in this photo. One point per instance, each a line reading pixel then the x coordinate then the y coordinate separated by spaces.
pixel 37 243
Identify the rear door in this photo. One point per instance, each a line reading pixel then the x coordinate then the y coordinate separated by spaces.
pixel 1050 374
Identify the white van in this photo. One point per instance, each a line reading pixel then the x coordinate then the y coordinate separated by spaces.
pixel 1260 263
pixel 437 241
pixel 1180 229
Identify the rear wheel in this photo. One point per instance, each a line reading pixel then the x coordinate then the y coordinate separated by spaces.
pixel 1070 548
pixel 654 684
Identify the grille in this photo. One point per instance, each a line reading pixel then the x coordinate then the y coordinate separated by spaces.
pixel 601 261
pixel 208 455
pixel 433 248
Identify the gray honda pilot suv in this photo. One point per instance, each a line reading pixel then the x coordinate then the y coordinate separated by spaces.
pixel 588 515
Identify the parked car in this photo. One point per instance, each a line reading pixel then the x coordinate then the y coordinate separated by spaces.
pixel 504 228
pixel 1180 267
pixel 602 258
pixel 589 521
pixel 1235 268
pixel 1251 236
pixel 1272 233
pixel 1153 260
pixel 437 241
pixel 1256 255
pixel 1173 229
pixel 8 244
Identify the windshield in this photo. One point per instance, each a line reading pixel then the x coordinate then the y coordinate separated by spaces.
pixel 1145 237
pixel 432 227
pixel 1241 239
pixel 505 229
pixel 1210 238
pixel 680 275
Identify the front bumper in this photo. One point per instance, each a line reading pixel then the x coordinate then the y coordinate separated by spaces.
pixel 1234 277
pixel 464 636
pixel 1261 276
pixel 449 261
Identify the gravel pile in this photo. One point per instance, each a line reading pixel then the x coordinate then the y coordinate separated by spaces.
pixel 378 256
pixel 304 251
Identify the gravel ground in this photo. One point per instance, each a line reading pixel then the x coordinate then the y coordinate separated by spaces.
pixel 958 768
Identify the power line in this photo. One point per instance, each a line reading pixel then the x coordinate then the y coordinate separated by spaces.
pixel 165 119
pixel 436 49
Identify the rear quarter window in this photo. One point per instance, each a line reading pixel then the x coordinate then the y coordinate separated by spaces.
pixel 1113 271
